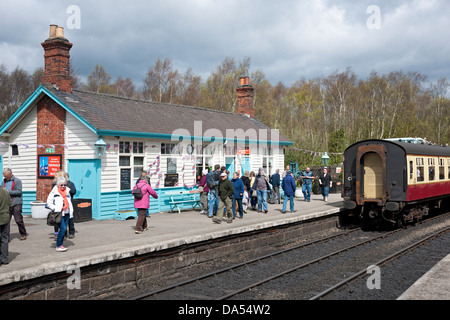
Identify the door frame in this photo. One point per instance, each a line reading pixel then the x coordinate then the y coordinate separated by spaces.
pixel 380 150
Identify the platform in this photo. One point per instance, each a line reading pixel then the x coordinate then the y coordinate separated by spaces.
pixel 107 240
pixel 433 285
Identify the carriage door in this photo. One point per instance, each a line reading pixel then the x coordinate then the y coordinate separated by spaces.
pixel 373 176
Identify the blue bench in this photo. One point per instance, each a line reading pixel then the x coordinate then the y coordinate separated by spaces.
pixel 181 197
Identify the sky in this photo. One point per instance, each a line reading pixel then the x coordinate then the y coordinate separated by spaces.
pixel 288 40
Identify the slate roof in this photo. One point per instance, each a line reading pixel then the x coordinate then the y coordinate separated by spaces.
pixel 113 113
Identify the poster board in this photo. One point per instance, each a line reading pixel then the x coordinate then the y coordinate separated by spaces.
pixel 48 165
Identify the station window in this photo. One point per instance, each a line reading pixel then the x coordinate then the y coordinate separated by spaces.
pixel 431 169
pixel 170 148
pixel 131 162
pixel 420 169
pixel 14 150
pixel 441 169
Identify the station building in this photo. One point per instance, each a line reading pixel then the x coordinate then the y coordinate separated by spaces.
pixel 104 142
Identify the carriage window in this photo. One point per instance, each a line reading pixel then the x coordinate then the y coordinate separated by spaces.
pixel 448 168
pixel 411 170
pixel 441 169
pixel 420 171
pixel 431 169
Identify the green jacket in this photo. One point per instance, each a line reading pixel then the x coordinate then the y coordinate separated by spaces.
pixel 5 206
pixel 226 189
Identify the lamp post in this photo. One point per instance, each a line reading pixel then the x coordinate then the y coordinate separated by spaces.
pixel 325 159
pixel 100 147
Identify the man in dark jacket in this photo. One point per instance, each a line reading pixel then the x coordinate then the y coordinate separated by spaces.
pixel 288 186
pixel 226 192
pixel 275 182
pixel 13 185
pixel 5 207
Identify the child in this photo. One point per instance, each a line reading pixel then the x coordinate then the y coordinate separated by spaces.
pixel 245 199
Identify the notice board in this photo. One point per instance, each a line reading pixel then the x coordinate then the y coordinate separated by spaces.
pixel 48 165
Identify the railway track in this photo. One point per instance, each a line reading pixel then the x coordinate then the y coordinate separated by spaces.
pixel 301 272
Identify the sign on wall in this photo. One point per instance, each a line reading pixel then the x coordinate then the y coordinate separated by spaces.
pixel 48 165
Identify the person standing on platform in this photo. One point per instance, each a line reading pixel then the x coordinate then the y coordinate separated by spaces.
pixel 325 183
pixel 261 186
pixel 5 208
pixel 238 186
pixel 226 192
pixel 13 185
pixel 288 186
pixel 212 181
pixel 59 200
pixel 275 181
pixel 245 199
pixel 143 204
pixel 73 191
pixel 252 192
pixel 203 187
pixel 308 178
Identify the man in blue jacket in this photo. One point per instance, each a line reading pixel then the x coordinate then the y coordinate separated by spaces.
pixel 238 186
pixel 308 178
pixel 288 186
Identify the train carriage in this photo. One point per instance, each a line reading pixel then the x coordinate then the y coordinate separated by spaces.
pixel 395 181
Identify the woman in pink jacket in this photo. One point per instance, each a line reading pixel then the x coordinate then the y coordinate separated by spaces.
pixel 143 204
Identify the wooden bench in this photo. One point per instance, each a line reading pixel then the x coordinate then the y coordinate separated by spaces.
pixel 186 197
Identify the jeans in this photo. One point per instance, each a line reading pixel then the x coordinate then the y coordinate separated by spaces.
pixel 306 189
pixel 62 229
pixel 291 203
pixel 325 191
pixel 241 209
pixel 213 202
pixel 262 199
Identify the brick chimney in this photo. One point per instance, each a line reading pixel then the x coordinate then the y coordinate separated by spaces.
pixel 57 67
pixel 245 93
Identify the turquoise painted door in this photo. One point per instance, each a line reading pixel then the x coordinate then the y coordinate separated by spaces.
pixel 85 174
pixel 229 164
pixel 245 165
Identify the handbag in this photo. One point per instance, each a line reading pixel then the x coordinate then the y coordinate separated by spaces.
pixel 54 218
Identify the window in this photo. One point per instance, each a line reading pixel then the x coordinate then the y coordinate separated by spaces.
pixel 131 162
pixel 420 169
pixel 448 168
pixel 170 148
pixel 431 169
pixel 267 160
pixel 441 169
pixel 411 170
pixel 14 150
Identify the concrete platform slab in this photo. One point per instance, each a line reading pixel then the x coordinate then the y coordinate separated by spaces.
pixel 101 241
pixel 433 285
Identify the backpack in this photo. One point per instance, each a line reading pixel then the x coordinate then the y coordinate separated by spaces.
pixel 137 193
pixel 211 180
